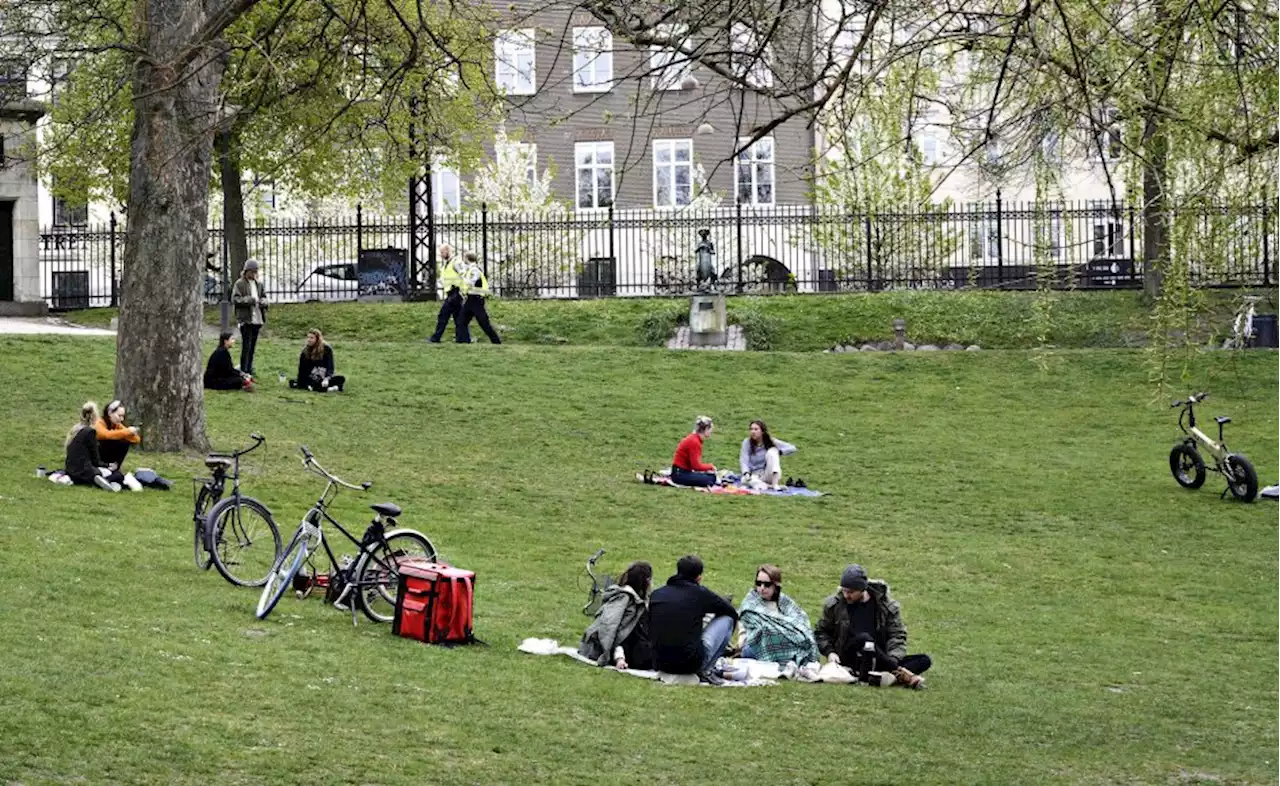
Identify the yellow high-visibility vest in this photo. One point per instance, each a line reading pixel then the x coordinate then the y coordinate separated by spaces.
pixel 450 277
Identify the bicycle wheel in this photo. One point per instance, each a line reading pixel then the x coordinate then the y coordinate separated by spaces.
pixel 280 579
pixel 1187 466
pixel 244 539
pixel 204 501
pixel 1241 478
pixel 376 577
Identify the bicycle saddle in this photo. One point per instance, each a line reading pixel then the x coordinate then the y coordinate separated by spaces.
pixel 213 461
pixel 1221 420
pixel 389 509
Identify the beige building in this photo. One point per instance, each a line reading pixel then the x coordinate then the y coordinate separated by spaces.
pixel 19 209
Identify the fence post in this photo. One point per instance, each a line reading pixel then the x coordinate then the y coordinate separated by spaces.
pixel 1266 235
pixel 359 230
pixel 866 226
pixel 484 237
pixel 739 242
pixel 999 238
pixel 1133 252
pixel 115 299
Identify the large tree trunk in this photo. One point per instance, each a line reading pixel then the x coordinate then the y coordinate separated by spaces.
pixel 158 354
pixel 1155 157
pixel 227 143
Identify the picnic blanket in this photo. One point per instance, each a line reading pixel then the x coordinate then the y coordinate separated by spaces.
pixel 730 485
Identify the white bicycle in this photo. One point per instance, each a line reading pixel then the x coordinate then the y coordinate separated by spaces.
pixel 1242 327
pixel 1188 467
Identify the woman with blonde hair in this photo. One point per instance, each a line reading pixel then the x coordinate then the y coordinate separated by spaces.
pixel 315 366
pixel 84 464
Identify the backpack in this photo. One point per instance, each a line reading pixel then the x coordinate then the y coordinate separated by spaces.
pixel 434 603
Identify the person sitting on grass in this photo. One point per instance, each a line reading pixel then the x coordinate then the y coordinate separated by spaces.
pixel 619 635
pixel 114 437
pixel 681 645
pixel 761 454
pixel 84 463
pixel 687 468
pixel 220 373
pixel 315 366
pixel 861 611
pixel 774 627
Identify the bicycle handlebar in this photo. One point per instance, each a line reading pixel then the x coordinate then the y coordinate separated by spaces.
pixel 596 556
pixel 257 438
pixel 309 461
pixel 1194 398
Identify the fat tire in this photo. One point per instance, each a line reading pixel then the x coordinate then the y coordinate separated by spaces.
pixel 204 501
pixel 399 542
pixel 1242 479
pixel 280 579
pixel 216 520
pixel 1184 451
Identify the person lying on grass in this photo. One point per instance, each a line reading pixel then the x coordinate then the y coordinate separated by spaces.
pixel 220 373
pixel 315 366
pixel 761 454
pixel 687 467
pixel 774 627
pixel 619 635
pixel 861 611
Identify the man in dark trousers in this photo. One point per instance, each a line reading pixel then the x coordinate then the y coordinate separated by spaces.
pixel 451 283
pixel 476 287
pixel 862 611
pixel 681 644
pixel 251 312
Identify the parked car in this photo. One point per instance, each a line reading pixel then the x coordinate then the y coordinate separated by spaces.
pixel 334 281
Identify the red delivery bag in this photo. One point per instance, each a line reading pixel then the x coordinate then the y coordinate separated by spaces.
pixel 434 602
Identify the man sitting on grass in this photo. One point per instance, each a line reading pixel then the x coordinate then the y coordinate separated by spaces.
pixel 862 611
pixel 681 644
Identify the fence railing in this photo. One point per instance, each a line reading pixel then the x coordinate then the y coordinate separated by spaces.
pixel 610 252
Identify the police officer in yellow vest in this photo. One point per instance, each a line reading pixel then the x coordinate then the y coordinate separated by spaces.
pixel 453 284
pixel 475 285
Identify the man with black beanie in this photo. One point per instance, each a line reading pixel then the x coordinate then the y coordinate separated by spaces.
pixel 861 610
pixel 681 644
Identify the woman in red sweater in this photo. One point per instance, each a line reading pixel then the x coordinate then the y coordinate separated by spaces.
pixel 687 468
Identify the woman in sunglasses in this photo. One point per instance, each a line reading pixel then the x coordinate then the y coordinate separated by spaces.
pixel 774 627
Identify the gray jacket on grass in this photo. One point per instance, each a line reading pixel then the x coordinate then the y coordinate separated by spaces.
pixel 618 615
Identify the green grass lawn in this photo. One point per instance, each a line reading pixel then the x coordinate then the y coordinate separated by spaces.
pixel 1090 622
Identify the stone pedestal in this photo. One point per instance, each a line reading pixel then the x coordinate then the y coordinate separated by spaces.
pixel 708 322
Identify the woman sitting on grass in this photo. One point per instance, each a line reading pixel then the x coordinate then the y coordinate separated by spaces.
pixel 114 437
pixel 774 627
pixel 761 454
pixel 315 366
pixel 687 468
pixel 84 464
pixel 221 373
pixel 619 635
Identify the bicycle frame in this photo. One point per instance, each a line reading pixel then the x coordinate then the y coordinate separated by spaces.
pixel 1218 448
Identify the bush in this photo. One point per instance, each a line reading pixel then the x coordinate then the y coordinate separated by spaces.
pixel 761 331
pixel 656 326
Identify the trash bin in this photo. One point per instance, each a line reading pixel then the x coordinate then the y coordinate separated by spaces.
pixel 1264 331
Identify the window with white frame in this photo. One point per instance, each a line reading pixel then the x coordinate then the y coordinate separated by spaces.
pixel 668 66
pixel 446 188
pixel 754 173
pixel 1108 231
pixel 928 146
pixel 514 64
pixel 594 167
pixel 592 60
pixel 750 58
pixel 672 172
pixel 984 240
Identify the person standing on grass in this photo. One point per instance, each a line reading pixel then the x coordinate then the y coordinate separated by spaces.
pixel 687 468
pixel 220 373
pixel 315 366
pixel 620 633
pixel 681 645
pixel 84 463
pixel 476 286
pixel 861 611
pixel 451 282
pixel 251 312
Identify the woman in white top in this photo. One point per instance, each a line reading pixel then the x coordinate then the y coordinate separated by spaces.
pixel 761 454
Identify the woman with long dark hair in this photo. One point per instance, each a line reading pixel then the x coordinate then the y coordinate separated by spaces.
pixel 619 635
pixel 761 454
pixel 315 366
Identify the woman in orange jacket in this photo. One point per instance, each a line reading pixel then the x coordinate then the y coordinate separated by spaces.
pixel 114 437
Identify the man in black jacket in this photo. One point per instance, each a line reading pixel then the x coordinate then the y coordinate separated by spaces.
pixel 681 644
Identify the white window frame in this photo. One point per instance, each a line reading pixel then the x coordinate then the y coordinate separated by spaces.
pixel 930 149
pixel 669 171
pixel 756 160
pixel 664 72
pixel 592 60
pixel 984 240
pixel 446 188
pixel 592 168
pixel 510 47
pixel 752 70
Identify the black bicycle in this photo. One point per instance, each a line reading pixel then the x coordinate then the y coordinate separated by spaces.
pixel 236 534
pixel 598 584
pixel 373 578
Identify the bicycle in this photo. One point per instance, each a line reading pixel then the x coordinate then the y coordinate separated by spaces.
pixel 373 576
pixel 1189 468
pixel 230 532
pixel 598 585
pixel 211 513
pixel 1242 328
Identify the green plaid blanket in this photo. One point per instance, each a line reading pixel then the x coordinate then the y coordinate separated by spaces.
pixel 778 636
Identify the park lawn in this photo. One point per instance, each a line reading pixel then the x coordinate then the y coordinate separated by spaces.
pixel 1090 622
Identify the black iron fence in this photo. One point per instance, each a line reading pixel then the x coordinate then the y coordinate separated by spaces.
pixel 564 254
